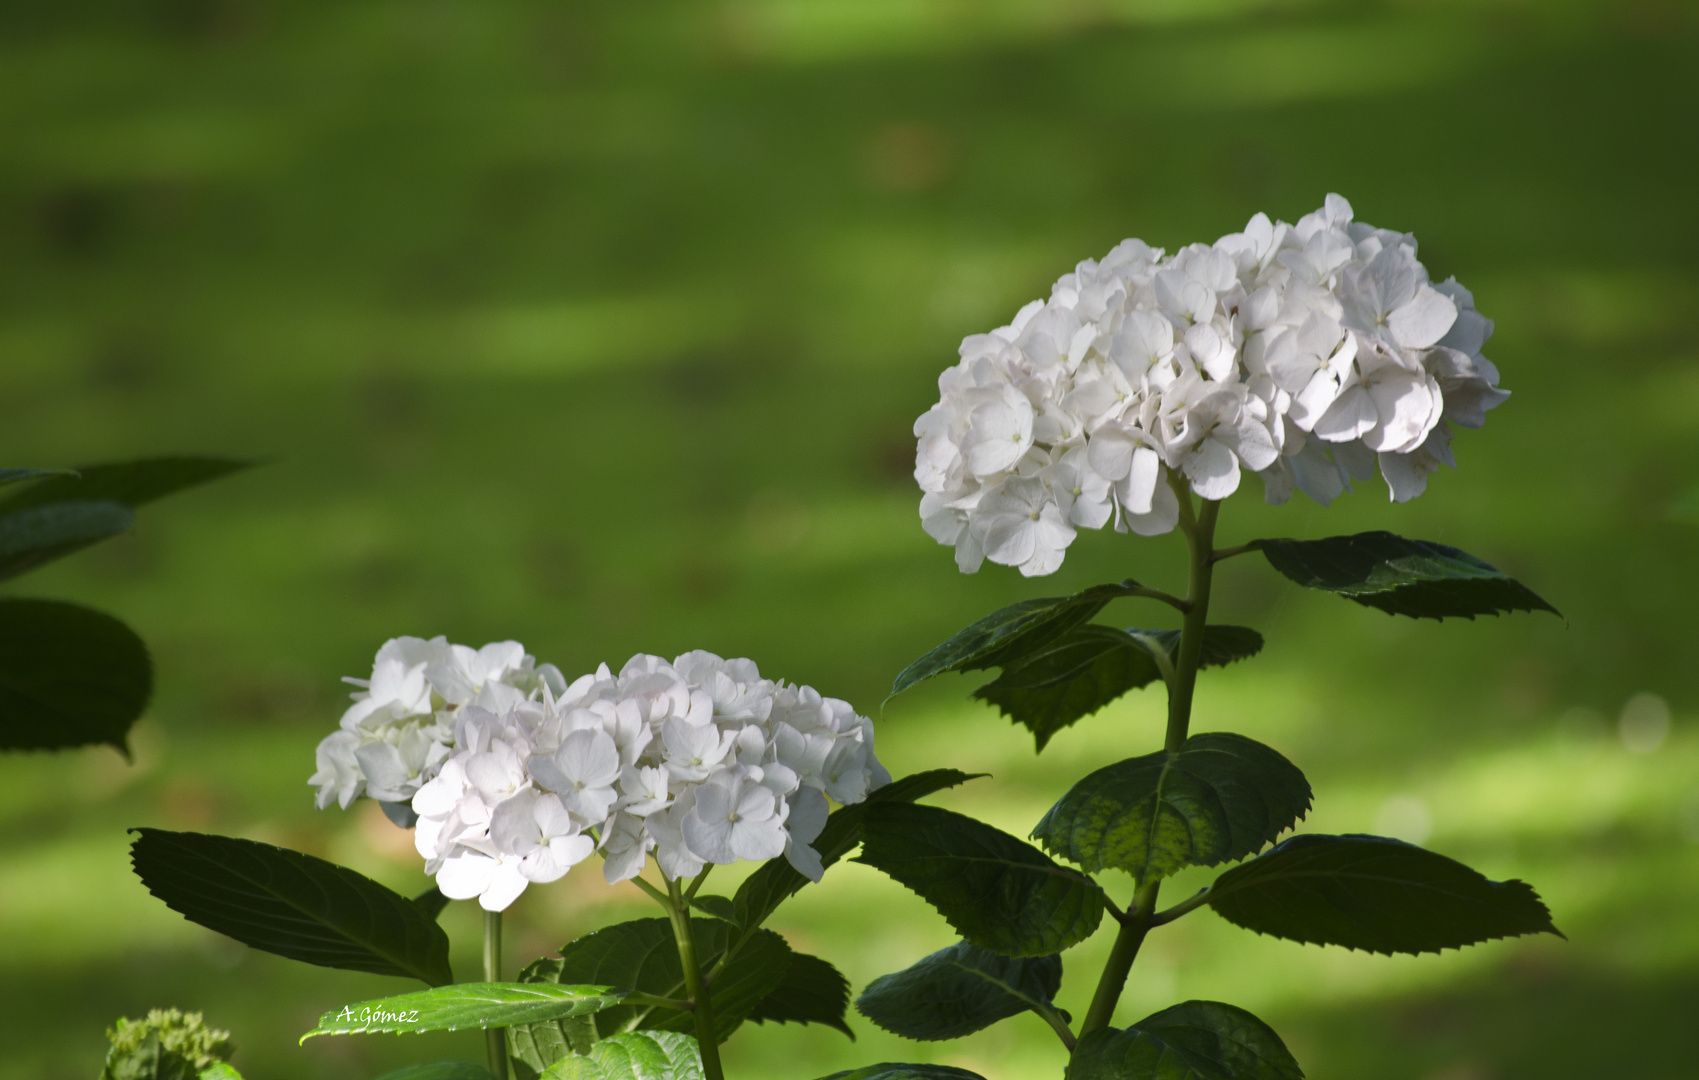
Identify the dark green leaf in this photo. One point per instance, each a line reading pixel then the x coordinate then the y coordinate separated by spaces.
pixel 1069 677
pixel 642 956
pixel 638 1055
pixel 441 1070
pixel 291 904
pixel 14 476
pixel 1221 797
pixel 1195 1040
pixel 813 992
pixel 69 676
pixel 466 1005
pixel 719 907
pixel 132 483
pixel 1375 894
pixel 39 534
pixel 892 1071
pixel 999 893
pixel 431 901
pixel 959 990
pixel 1079 672
pixel 532 1048
pixel 1010 633
pixel 1401 577
pixel 776 881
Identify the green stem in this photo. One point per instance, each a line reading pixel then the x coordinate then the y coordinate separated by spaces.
pixel 1121 956
pixel 1199 530
pixel 701 1005
pixel 495 1039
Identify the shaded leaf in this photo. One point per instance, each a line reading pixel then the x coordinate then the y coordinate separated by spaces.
pixel 1221 797
pixel 69 676
pixel 812 992
pixel 39 534
pixel 466 1005
pixel 641 955
pixel 776 881
pixel 441 1070
pixel 1010 633
pixel 958 991
pixel 1417 578
pixel 431 901
pixel 996 891
pixel 132 483
pixel 14 475
pixel 1079 672
pixel 1195 1040
pixel 291 904
pixel 638 1055
pixel 719 907
pixel 892 1071
pixel 1373 893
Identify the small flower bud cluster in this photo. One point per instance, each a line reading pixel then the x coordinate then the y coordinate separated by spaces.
pixel 1308 353
pixel 698 761
pixel 401 726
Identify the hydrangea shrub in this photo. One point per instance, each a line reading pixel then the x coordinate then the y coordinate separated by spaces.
pixel 1136 396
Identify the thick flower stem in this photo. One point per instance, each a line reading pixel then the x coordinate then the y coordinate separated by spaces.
pixel 1199 530
pixel 1121 956
pixel 701 1005
pixel 495 1039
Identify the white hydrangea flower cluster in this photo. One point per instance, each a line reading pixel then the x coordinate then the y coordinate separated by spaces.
pixel 400 728
pixel 1307 353
pixel 698 761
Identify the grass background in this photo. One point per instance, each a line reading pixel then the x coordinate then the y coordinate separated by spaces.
pixel 603 326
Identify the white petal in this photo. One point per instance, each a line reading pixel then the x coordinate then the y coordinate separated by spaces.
pixel 1213 470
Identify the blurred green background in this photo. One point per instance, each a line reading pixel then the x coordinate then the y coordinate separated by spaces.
pixel 603 326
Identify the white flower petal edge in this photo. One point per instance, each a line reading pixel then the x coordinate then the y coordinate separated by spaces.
pixel 1307 353
pixel 696 761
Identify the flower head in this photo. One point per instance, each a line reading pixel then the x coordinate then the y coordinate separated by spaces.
pixel 1309 354
pixel 695 761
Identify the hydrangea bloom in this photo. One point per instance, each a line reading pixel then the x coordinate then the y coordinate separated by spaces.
pixel 1307 353
pixel 698 761
pixel 400 728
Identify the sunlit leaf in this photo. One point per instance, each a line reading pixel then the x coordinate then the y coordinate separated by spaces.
pixel 466 1005
pixel 1195 1040
pixel 1221 797
pixel 1417 578
pixel 1376 894
pixel 958 991
pixel 637 1055
pixel 996 891
pixel 291 904
pixel 69 676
